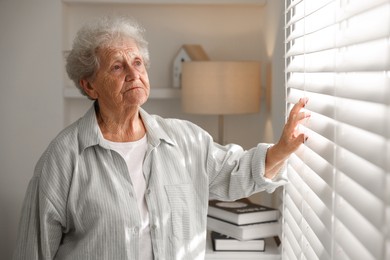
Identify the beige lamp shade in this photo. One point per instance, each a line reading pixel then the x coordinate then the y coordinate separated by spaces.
pixel 221 87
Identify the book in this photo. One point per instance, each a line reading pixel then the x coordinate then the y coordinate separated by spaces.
pixel 222 242
pixel 242 212
pixel 244 232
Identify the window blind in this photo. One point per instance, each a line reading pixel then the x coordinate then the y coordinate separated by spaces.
pixel 337 204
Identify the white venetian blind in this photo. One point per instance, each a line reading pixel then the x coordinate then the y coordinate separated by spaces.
pixel 337 204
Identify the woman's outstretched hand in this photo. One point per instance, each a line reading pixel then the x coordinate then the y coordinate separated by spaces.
pixel 289 142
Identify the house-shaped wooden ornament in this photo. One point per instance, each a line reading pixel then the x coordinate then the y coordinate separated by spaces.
pixel 188 52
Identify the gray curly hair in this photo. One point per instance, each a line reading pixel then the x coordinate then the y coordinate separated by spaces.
pixel 82 61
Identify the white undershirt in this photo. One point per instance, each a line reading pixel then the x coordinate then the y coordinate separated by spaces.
pixel 134 153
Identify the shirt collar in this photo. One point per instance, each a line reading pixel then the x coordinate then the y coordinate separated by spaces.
pixel 89 130
pixel 154 130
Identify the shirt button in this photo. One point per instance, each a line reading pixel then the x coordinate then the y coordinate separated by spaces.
pixel 154 227
pixel 148 191
pixel 135 230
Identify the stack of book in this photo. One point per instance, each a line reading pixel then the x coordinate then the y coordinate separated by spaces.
pixel 241 225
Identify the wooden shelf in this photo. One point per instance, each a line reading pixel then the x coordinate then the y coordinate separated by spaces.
pixel 196 2
pixel 155 93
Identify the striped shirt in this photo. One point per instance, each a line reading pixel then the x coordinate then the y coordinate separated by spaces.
pixel 81 204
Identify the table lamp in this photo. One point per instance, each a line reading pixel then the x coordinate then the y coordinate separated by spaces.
pixel 221 88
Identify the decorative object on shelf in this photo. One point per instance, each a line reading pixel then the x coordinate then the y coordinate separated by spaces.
pixel 188 52
pixel 221 88
pixel 222 242
pixel 242 211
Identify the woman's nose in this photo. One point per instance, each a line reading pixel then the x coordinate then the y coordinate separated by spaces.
pixel 131 74
pixel 128 78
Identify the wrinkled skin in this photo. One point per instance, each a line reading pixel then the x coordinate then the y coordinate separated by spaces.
pixel 120 86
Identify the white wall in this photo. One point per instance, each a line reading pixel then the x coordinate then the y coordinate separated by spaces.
pixel 31 103
pixel 275 49
pixel 30 100
pixel 273 120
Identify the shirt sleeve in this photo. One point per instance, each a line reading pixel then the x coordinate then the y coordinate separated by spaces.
pixel 235 173
pixel 278 180
pixel 39 231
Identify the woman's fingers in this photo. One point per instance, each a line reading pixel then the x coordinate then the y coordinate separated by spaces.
pixel 293 136
pixel 296 115
pixel 298 106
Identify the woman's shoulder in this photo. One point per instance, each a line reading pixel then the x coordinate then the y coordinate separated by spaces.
pixel 66 139
pixel 54 169
pixel 180 126
pixel 175 123
pixel 60 149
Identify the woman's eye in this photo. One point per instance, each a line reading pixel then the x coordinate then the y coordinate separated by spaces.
pixel 138 62
pixel 116 67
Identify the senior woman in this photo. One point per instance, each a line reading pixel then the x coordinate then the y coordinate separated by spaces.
pixel 123 184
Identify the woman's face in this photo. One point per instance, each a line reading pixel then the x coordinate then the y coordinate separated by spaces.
pixel 122 80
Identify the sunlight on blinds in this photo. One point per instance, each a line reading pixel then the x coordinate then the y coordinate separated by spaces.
pixel 337 204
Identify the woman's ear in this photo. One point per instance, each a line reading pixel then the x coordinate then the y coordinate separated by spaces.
pixel 89 89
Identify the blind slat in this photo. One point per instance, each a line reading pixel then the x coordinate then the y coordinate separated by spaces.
pixel 316 231
pixel 322 125
pixel 352 139
pixel 321 18
pixel 337 34
pixel 354 86
pixel 374 22
pixel 367 116
pixel 293 189
pixel 361 171
pixel 352 247
pixel 352 8
pixel 368 56
pixel 293 234
pixel 318 194
pixel 289 245
pixel 346 110
pixel 309 246
pixel 291 4
pixel 344 85
pixel 366 205
pixel 322 168
pixel 294 227
pixel 373 19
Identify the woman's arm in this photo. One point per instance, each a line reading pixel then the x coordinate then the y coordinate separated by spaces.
pixel 39 231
